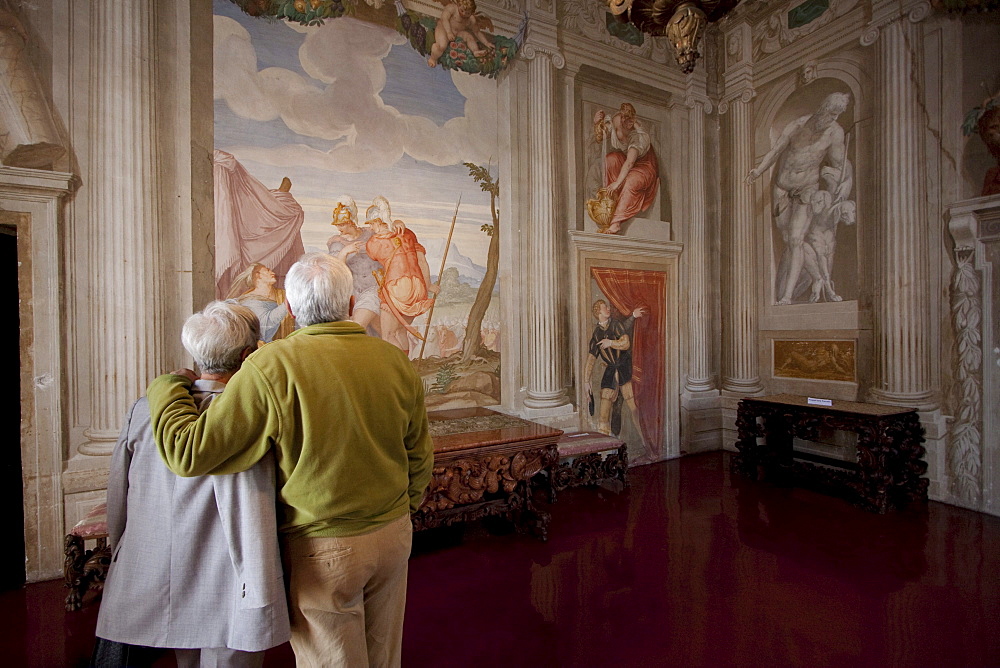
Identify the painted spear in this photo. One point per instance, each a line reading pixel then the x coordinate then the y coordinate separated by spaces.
pixel 444 258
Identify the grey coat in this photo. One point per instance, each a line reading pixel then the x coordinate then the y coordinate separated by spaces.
pixel 195 561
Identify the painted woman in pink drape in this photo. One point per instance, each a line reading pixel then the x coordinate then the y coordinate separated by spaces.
pixel 631 171
pixel 253 223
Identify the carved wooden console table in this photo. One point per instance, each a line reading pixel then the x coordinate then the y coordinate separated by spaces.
pixel 889 470
pixel 483 465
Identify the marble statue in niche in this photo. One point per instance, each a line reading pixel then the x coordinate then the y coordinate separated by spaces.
pixel 811 190
pixel 28 136
pixel 624 173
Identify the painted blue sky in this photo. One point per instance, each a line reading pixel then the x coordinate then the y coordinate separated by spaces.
pixel 350 108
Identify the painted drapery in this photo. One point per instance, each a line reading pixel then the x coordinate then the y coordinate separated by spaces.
pixel 253 223
pixel 628 289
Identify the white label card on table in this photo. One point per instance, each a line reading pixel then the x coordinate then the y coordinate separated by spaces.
pixel 813 401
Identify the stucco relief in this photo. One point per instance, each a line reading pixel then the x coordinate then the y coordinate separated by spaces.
pixel 589 19
pixel 812 203
pixel 28 136
pixel 774 33
pixel 965 454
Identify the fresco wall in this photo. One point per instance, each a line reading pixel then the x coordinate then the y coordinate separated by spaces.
pixel 340 138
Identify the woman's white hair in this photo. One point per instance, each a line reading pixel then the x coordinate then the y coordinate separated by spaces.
pixel 217 336
pixel 318 288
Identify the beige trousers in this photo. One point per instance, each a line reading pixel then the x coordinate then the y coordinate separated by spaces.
pixel 347 597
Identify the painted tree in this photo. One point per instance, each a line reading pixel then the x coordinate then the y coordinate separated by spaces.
pixel 473 343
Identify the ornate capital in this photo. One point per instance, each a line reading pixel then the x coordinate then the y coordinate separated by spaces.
pixel 532 50
pixel 695 100
pixel 744 96
pixel 914 13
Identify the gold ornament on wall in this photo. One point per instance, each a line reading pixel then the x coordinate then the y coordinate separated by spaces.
pixel 683 22
pixel 684 30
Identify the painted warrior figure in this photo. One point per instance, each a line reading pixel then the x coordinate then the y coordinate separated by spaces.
pixel 350 246
pixel 611 344
pixel 404 281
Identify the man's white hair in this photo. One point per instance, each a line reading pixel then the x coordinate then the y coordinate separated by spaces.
pixel 217 336
pixel 835 103
pixel 318 288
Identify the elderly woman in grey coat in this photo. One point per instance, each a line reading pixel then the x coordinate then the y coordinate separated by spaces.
pixel 195 561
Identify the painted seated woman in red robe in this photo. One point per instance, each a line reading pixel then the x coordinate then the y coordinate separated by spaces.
pixel 405 286
pixel 631 171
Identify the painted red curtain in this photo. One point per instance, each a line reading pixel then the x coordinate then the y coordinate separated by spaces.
pixel 627 290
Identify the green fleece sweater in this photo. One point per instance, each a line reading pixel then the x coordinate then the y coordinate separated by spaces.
pixel 344 413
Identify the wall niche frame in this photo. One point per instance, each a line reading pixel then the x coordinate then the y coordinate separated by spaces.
pixel 626 261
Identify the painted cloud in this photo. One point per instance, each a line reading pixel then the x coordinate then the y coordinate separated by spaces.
pixel 342 103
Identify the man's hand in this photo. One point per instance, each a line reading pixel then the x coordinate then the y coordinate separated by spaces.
pixel 752 176
pixel 639 311
pixel 191 375
pixel 606 343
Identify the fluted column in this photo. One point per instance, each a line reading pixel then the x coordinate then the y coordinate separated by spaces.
pixel 699 377
pixel 739 319
pixel 122 251
pixel 544 386
pixel 902 296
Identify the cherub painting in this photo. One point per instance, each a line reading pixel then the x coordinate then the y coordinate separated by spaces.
pixel 459 19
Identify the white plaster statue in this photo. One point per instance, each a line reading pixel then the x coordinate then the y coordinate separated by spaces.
pixel 821 239
pixel 28 137
pixel 808 146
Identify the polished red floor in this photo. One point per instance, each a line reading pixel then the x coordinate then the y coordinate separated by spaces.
pixel 687 567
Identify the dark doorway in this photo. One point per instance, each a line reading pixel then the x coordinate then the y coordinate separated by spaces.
pixel 11 489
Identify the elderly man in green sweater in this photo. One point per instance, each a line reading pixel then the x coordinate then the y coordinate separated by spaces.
pixel 345 415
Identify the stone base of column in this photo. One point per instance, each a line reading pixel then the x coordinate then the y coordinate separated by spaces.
pixel 919 400
pixel 698 385
pixel 701 421
pixel 742 387
pixel 547 400
pixel 99 443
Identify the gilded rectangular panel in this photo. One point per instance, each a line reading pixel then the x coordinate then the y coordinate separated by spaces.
pixel 815 360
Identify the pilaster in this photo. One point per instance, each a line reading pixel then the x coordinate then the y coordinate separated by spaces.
pixel 123 253
pixel 902 290
pixel 545 389
pixel 699 374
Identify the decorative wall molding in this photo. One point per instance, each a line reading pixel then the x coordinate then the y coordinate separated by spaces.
pixel 593 241
pixel 773 34
pixel 587 18
pixel 965 454
pixel 32 200
pixel 885 13
pixel 974 449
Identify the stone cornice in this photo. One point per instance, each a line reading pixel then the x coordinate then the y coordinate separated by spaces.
pixel 22 179
pixel 610 243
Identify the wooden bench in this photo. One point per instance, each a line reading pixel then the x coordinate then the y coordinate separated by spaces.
pixel 86 568
pixel 589 458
